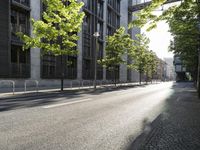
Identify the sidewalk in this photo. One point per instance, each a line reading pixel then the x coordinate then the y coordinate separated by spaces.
pixel 178 128
pixel 33 91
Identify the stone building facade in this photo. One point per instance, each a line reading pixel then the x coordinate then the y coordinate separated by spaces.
pixel 104 16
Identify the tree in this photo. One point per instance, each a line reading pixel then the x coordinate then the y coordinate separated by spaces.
pixel 152 64
pixel 183 27
pixel 139 54
pixel 117 46
pixel 183 20
pixel 56 33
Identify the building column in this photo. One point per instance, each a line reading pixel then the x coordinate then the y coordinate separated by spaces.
pixel 134 31
pixel 80 57
pixel 124 23
pixel 104 34
pixel 35 52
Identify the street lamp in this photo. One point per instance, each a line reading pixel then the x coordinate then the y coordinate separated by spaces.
pixel 96 36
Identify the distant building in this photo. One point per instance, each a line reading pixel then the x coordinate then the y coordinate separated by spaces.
pixel 179 69
pixel 161 72
pixel 170 72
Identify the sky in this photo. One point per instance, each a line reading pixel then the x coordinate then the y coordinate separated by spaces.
pixel 160 40
pixel 160 37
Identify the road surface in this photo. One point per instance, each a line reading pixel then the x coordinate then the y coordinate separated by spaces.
pixel 93 121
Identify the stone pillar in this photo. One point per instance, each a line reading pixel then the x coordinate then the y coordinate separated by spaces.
pixel 35 52
pixel 80 57
pixel 135 30
pixel 104 34
pixel 80 53
pixel 124 23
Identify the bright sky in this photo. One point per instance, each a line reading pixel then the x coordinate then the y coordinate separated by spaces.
pixel 160 40
pixel 160 37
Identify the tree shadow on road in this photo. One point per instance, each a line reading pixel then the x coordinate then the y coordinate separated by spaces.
pixel 178 127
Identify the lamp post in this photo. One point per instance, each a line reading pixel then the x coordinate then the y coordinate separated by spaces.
pixel 96 35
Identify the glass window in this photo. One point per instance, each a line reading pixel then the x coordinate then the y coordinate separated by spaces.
pixel 86 24
pixel 72 67
pixel 118 5
pixel 22 22
pixel 49 66
pixel 109 17
pixel 86 4
pixel 24 2
pixel 100 29
pixel 100 9
pixel 18 55
pixel 118 21
pixel 14 21
pixel 19 22
pixel 100 52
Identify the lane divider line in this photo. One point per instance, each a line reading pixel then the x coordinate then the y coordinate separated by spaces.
pixel 67 103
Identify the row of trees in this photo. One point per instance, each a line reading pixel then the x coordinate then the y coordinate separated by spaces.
pixel 184 23
pixel 121 44
pixel 56 34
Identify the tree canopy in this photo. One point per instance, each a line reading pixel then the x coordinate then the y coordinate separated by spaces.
pixel 117 45
pixel 143 60
pixel 183 23
pixel 56 33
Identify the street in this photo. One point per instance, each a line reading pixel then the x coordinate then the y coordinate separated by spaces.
pixel 92 121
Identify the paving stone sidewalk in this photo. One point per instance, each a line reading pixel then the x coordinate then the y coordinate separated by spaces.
pixel 178 127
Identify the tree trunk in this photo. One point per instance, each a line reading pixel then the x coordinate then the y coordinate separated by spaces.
pixel 62 75
pixel 140 77
pixel 115 78
pixel 147 77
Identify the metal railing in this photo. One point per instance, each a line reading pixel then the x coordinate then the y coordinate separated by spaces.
pixel 28 81
pixel 87 81
pixel 9 81
pixel 76 81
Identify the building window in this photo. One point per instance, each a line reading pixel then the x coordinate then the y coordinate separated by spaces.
pixel 109 18
pixel 100 29
pixel 86 24
pixel 109 31
pixel 14 21
pixel 118 5
pixel 20 62
pixel 18 55
pixel 113 15
pixel 19 23
pixel 100 52
pixel 100 9
pixel 87 36
pixel 24 2
pixel 87 69
pixel 110 2
pixel 118 21
pixel 49 66
pixel 87 4
pixel 71 67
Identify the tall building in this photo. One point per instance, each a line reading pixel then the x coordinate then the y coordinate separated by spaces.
pixel 104 16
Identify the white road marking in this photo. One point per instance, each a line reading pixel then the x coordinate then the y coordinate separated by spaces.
pixel 67 103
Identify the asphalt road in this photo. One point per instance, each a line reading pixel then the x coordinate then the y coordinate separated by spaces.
pixel 99 121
